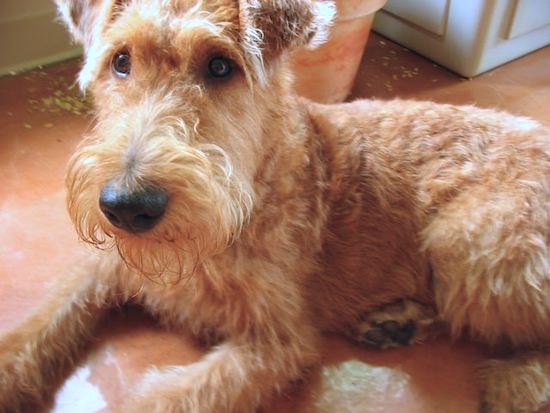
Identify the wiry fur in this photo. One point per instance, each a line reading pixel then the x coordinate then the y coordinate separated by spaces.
pixel 285 218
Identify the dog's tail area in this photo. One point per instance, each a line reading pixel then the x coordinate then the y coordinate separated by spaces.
pixel 520 384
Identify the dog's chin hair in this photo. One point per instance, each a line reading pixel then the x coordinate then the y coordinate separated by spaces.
pixel 167 253
pixel 164 259
pixel 161 261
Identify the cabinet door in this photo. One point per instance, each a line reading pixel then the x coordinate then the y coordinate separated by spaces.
pixel 529 15
pixel 430 15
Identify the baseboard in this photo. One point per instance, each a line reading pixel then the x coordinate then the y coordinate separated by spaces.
pixel 32 41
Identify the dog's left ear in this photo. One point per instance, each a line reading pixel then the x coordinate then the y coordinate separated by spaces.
pixel 269 27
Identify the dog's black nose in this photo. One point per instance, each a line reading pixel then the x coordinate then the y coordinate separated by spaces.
pixel 132 210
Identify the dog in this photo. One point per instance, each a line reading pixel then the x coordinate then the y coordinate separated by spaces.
pixel 256 220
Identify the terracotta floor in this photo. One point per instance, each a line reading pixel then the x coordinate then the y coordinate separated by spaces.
pixel 40 123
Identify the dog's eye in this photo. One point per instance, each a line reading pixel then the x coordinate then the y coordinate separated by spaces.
pixel 220 67
pixel 121 64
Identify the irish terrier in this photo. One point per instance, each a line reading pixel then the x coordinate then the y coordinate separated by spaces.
pixel 256 220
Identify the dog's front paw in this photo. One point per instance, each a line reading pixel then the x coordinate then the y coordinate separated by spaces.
pixel 157 403
pixel 26 384
pixel 173 390
pixel 19 391
pixel 10 383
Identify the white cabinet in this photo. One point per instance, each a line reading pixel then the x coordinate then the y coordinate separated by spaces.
pixel 529 15
pixel 467 36
pixel 430 15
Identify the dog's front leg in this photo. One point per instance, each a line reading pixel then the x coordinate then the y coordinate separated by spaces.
pixel 235 377
pixel 38 354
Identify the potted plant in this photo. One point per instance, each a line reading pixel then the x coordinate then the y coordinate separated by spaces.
pixel 326 74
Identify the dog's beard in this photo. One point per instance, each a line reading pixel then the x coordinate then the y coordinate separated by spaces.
pixel 207 204
pixel 166 259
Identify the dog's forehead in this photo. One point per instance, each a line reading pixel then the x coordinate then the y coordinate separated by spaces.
pixel 180 14
pixel 162 28
pixel 175 25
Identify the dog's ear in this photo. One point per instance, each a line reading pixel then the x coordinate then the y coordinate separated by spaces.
pixel 268 27
pixel 83 18
pixel 86 21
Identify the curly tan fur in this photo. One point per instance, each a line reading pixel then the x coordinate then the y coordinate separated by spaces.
pixel 285 218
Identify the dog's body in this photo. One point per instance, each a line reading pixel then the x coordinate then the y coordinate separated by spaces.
pixel 277 219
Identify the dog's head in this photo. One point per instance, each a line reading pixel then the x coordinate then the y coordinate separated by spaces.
pixel 185 92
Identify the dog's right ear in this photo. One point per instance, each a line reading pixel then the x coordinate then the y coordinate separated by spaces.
pixel 84 18
pixel 270 27
pixel 86 21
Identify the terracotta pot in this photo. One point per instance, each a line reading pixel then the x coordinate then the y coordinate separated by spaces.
pixel 326 74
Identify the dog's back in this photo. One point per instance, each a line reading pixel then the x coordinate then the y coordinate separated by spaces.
pixel 452 202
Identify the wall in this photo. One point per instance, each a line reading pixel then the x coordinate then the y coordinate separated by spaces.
pixel 31 36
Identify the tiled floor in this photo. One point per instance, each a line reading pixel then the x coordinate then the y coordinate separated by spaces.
pixel 40 124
